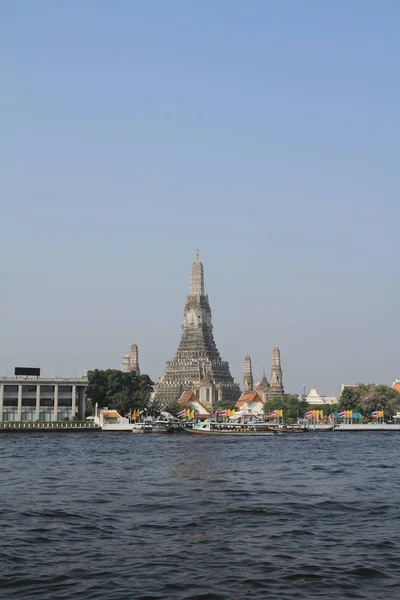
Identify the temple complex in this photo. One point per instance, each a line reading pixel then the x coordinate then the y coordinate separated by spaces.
pixel 276 384
pixel 197 363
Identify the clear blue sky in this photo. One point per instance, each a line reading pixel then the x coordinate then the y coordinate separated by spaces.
pixel 266 134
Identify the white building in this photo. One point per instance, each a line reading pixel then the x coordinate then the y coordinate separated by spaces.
pixel 42 398
pixel 315 399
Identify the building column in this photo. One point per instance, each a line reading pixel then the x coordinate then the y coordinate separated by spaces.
pixel 19 409
pixel 55 413
pixel 73 406
pixel 37 417
pixel 82 409
pixel 1 400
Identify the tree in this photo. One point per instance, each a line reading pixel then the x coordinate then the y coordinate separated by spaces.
pixel 292 408
pixel 369 397
pixel 350 399
pixel 120 391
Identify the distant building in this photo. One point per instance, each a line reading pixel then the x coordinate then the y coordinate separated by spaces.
pixel 197 358
pixel 190 397
pixel 247 375
pixel 262 388
pixel 42 398
pixel 125 363
pixel 396 385
pixel 130 361
pixel 276 382
pixel 250 403
pixel 314 398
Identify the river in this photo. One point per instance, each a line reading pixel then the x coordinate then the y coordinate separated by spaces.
pixel 108 516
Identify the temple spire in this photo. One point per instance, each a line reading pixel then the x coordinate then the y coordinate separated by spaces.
pixel 276 384
pixel 247 375
pixel 197 280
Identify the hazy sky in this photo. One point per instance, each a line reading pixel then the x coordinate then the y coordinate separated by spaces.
pixel 265 133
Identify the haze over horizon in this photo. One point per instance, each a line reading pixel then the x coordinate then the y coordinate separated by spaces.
pixel 264 134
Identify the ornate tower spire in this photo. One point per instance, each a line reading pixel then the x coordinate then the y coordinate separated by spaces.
pixel 197 280
pixel 134 359
pixel 197 355
pixel 276 384
pixel 247 375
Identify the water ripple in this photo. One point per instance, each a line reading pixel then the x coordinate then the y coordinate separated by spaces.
pixel 110 517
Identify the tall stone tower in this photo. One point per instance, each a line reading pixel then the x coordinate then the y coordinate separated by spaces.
pixel 247 375
pixel 276 383
pixel 134 359
pixel 197 357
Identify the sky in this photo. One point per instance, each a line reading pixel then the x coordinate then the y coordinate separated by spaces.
pixel 266 134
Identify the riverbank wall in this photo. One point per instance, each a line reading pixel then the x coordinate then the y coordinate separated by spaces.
pixel 50 427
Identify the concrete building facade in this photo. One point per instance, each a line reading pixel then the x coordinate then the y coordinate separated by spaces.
pixel 42 398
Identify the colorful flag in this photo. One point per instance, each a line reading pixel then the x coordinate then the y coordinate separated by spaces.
pixel 342 414
pixel 222 413
pixel 181 413
pixel 309 414
pixel 134 415
pixel 272 414
pixel 374 414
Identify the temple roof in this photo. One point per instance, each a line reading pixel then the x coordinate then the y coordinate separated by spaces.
pixel 248 398
pixel 187 397
pixel 263 385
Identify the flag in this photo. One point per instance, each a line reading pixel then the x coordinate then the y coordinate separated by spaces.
pixel 308 415
pixel 380 413
pixel 188 413
pixel 222 413
pixel 192 415
pixel 134 415
pixel 280 412
pixel 228 412
pixel 181 413
pixel 342 414
pixel 374 414
pixel 272 414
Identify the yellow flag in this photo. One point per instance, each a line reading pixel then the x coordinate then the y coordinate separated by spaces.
pixel 192 415
pixel 281 413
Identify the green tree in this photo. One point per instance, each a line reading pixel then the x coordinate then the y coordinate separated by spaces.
pixel 378 397
pixel 368 397
pixel 350 399
pixel 292 408
pixel 118 390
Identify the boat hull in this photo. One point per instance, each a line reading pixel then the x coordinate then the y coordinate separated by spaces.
pixel 235 433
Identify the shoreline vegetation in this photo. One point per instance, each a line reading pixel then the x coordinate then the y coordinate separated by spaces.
pixel 127 392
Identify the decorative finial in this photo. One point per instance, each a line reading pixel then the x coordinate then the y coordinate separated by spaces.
pixel 197 255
